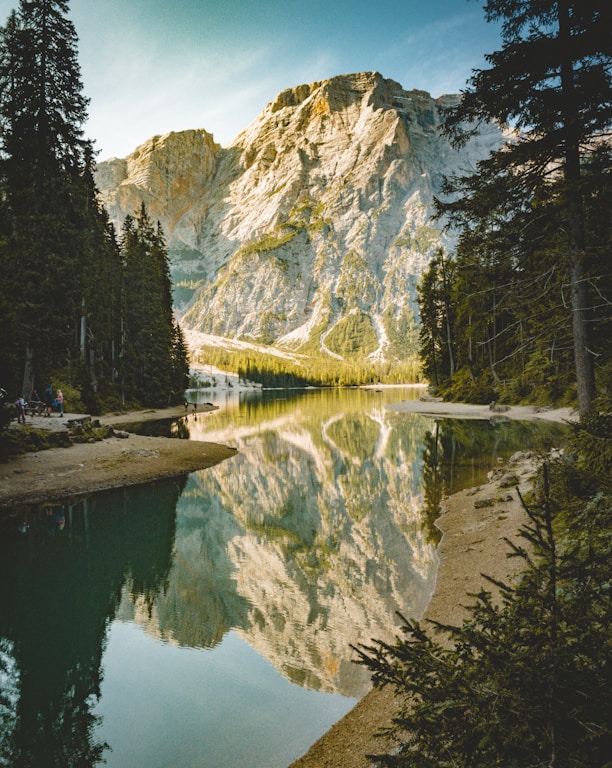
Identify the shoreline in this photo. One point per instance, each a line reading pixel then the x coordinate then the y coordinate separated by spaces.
pixel 56 474
pixel 472 538
pixel 442 410
pixel 472 543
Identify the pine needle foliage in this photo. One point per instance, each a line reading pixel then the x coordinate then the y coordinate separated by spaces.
pixel 74 308
pixel 551 82
pixel 525 681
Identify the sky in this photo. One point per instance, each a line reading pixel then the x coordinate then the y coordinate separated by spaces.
pixel 154 66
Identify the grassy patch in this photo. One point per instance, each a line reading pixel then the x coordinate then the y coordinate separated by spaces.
pixel 16 442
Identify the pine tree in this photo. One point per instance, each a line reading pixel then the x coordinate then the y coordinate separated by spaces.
pixel 511 304
pixel 100 283
pixel 525 680
pixel 180 365
pixel 154 358
pixel 42 110
pixel 552 80
pixel 438 348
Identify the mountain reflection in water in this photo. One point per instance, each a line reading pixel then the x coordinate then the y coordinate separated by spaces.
pixel 309 539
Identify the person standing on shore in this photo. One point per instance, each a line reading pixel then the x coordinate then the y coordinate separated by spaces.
pixel 60 402
pixel 48 399
pixel 21 410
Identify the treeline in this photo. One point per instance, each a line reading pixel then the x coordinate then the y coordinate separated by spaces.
pixel 79 305
pixel 497 315
pixel 273 371
pixel 523 309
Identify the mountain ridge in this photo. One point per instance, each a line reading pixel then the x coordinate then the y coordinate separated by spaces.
pixel 311 228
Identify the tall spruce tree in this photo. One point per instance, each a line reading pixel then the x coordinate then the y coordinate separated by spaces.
pixel 100 281
pixel 73 303
pixel 437 347
pixel 512 315
pixel 42 110
pixel 525 680
pixel 154 356
pixel 551 79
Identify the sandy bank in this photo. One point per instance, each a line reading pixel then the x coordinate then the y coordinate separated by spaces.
pixel 472 544
pixel 466 411
pixel 115 462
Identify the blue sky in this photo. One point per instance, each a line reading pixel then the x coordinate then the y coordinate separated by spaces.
pixel 152 66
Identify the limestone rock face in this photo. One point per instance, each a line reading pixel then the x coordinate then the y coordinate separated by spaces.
pixel 316 214
pixel 167 173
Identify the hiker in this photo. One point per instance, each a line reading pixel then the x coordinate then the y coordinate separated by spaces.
pixel 21 409
pixel 48 399
pixel 60 402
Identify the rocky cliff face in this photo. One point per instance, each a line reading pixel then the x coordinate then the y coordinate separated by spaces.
pixel 316 217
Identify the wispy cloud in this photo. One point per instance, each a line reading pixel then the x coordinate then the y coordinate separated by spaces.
pixel 439 56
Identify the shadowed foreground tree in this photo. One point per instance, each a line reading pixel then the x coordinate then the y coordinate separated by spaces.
pixel 526 680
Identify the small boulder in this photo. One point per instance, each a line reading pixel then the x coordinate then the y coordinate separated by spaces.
pixel 482 503
pixel 508 480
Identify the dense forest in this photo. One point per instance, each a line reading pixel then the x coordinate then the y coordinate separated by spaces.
pixel 272 371
pixel 80 306
pixel 522 311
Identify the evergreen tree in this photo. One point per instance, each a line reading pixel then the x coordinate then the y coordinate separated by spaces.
pixel 552 80
pixel 438 348
pixel 100 281
pixel 512 315
pixel 179 364
pixel 42 111
pixel 525 680
pixel 73 302
pixel 154 356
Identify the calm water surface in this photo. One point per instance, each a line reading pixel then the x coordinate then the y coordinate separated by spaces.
pixel 207 621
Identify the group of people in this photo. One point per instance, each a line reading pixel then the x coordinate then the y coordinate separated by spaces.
pixel 50 402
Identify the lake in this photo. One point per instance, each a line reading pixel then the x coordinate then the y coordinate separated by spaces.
pixel 207 621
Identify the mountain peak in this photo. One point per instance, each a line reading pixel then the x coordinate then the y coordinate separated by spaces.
pixel 314 225
pixel 357 84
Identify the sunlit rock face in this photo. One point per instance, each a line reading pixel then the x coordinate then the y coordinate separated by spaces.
pixel 308 540
pixel 319 210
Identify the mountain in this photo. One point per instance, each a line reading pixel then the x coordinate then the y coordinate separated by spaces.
pixel 310 230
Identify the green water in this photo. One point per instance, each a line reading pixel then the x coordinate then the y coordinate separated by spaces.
pixel 207 621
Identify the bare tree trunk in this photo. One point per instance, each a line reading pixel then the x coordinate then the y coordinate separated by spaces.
pixel 28 373
pixel 583 359
pixel 492 347
pixel 449 339
pixel 449 344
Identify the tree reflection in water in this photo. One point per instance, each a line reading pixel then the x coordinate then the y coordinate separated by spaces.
pixel 309 539
pixel 458 453
pixel 61 586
